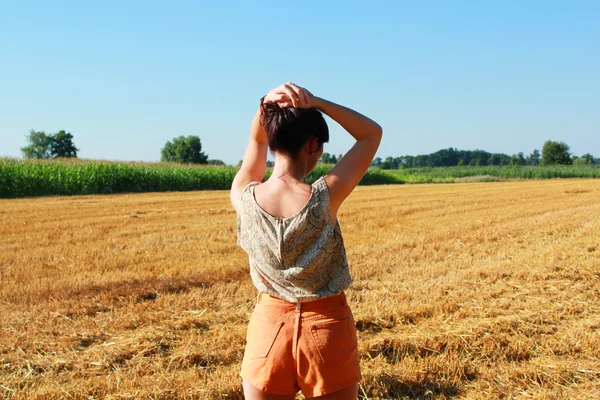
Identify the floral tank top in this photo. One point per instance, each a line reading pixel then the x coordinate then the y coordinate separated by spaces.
pixel 299 258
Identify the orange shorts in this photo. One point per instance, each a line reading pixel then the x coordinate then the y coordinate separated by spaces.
pixel 308 346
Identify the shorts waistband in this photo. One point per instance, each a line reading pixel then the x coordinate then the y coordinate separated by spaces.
pixel 326 303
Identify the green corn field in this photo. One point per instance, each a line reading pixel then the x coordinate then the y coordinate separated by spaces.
pixel 29 178
pixel 488 173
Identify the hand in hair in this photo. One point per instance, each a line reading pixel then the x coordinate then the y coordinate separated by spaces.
pixel 290 95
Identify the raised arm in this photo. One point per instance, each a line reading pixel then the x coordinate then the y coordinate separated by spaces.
pixel 254 163
pixel 346 174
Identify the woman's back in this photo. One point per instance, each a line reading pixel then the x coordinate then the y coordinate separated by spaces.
pixel 297 258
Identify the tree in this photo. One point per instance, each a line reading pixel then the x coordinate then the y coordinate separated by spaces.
pixel 390 163
pixel 481 156
pixel 376 162
pixel 325 158
pixel 534 158
pixel 215 162
pixel 61 145
pixel 186 150
pixel 504 158
pixel 556 153
pixel 586 159
pixel 42 145
pixel 334 159
pixel 589 159
pixel 517 159
pixel 39 145
pixel 387 164
pixel 420 161
pixel 398 163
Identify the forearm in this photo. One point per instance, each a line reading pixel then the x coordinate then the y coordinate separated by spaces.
pixel 357 125
pixel 257 132
pixel 255 158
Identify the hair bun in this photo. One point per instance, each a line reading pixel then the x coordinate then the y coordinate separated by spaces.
pixel 269 111
pixel 288 128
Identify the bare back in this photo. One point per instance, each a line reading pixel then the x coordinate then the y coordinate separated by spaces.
pixel 283 200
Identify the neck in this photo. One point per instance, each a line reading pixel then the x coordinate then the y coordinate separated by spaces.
pixel 288 169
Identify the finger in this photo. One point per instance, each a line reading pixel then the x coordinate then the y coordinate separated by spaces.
pixel 304 95
pixel 276 97
pixel 284 101
pixel 291 93
pixel 279 97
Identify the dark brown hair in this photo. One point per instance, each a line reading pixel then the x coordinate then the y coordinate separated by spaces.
pixel 289 128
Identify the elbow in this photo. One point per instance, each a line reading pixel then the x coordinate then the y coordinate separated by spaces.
pixel 378 131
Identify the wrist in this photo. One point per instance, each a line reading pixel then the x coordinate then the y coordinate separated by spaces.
pixel 317 102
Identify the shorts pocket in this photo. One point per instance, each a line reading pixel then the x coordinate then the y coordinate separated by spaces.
pixel 336 340
pixel 260 336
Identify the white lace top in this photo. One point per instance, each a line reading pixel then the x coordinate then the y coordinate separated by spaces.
pixel 299 258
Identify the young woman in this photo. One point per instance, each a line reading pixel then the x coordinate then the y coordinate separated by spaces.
pixel 301 335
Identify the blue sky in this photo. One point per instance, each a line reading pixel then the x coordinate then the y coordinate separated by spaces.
pixel 125 77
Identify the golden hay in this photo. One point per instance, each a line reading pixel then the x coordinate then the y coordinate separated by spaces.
pixel 480 290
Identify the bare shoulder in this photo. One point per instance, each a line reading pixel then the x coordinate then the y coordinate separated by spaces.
pixel 237 190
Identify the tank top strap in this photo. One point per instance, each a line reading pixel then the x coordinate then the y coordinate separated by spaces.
pixel 249 185
pixel 246 189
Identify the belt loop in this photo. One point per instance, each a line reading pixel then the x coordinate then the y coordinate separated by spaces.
pixel 258 298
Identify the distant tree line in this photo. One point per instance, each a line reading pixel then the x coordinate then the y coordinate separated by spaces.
pixel 188 150
pixel 552 153
pixel 185 150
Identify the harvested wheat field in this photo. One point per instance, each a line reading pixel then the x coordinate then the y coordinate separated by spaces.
pixel 466 291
